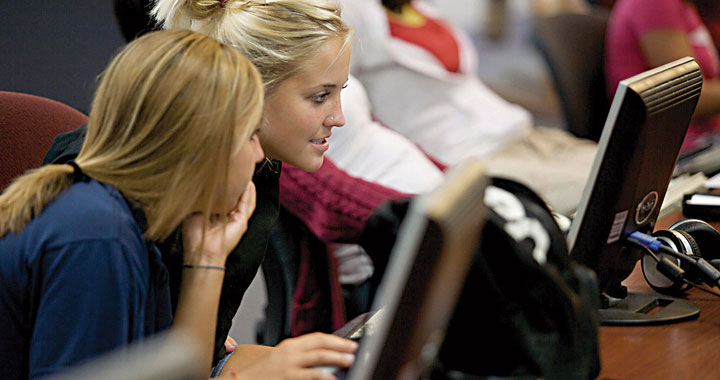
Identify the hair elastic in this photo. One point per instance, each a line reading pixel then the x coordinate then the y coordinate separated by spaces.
pixel 78 174
pixel 222 3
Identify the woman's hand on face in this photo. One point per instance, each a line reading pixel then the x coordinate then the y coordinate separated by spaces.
pixel 230 344
pixel 294 358
pixel 220 239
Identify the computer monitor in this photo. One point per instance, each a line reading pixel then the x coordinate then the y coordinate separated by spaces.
pixel 428 265
pixel 638 148
pixel 168 355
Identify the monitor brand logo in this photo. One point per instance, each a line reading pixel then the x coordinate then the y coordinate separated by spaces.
pixel 646 207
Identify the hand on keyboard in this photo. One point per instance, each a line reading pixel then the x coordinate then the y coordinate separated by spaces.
pixel 295 358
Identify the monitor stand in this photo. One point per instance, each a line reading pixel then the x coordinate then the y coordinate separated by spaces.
pixel 646 309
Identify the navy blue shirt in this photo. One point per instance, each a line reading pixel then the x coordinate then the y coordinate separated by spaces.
pixel 244 261
pixel 78 281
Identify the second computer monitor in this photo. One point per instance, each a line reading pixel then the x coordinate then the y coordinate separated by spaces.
pixel 644 131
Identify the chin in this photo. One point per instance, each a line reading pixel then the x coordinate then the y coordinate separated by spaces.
pixel 310 165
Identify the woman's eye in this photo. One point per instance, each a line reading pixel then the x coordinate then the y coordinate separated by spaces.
pixel 320 97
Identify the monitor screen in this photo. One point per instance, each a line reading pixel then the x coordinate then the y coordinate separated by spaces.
pixel 427 268
pixel 638 148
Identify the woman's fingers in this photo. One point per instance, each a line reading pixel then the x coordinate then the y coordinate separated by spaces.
pixel 219 238
pixel 323 358
pixel 247 202
pixel 317 349
pixel 324 341
pixel 230 344
pixel 309 356
pixel 238 218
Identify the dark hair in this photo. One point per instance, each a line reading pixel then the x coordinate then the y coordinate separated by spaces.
pixel 707 8
pixel 395 5
pixel 133 18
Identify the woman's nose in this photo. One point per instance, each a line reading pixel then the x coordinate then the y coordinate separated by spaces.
pixel 335 119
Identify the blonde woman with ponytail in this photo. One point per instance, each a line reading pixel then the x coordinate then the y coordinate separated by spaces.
pixel 80 273
pixel 301 49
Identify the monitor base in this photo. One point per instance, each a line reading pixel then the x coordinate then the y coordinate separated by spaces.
pixel 647 309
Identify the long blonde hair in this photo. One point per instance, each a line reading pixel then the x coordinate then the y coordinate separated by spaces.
pixel 161 130
pixel 278 36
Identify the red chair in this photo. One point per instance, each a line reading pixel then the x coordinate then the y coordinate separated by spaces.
pixel 28 125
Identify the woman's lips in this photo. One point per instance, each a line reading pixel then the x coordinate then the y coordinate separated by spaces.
pixel 320 144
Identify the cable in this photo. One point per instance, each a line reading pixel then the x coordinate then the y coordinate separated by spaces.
pixel 654 245
pixel 665 266
pixel 674 253
pixel 699 286
pixel 711 275
pixel 648 244
pixel 642 246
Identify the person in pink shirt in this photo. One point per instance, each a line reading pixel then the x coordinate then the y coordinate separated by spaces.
pixel 643 34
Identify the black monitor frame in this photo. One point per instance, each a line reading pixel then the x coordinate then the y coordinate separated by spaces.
pixel 643 133
pixel 426 272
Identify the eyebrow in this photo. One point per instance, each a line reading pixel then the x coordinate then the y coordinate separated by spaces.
pixel 332 85
pixel 329 85
pixel 326 86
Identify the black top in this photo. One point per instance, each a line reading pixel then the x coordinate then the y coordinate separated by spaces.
pixel 243 262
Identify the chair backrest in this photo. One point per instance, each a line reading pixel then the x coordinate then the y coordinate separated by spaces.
pixel 573 46
pixel 28 125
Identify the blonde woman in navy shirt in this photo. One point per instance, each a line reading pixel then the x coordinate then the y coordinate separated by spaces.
pixel 80 273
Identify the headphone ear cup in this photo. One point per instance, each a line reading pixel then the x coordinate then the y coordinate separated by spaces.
pixel 691 273
pixel 689 243
pixel 658 281
pixel 706 237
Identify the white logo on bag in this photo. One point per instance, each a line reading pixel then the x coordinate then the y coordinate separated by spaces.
pixel 517 224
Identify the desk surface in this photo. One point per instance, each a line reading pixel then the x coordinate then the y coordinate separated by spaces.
pixel 685 350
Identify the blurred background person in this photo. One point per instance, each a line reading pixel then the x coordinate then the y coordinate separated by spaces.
pixel 419 71
pixel 643 34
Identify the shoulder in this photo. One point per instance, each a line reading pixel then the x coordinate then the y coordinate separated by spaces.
pixel 85 236
pixel 86 211
pixel 649 14
pixel 625 6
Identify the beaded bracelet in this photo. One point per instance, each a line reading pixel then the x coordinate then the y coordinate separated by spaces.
pixel 203 266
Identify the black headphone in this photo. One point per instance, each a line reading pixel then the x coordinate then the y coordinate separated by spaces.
pixel 692 237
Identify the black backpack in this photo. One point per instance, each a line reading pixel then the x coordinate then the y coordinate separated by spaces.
pixel 527 310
